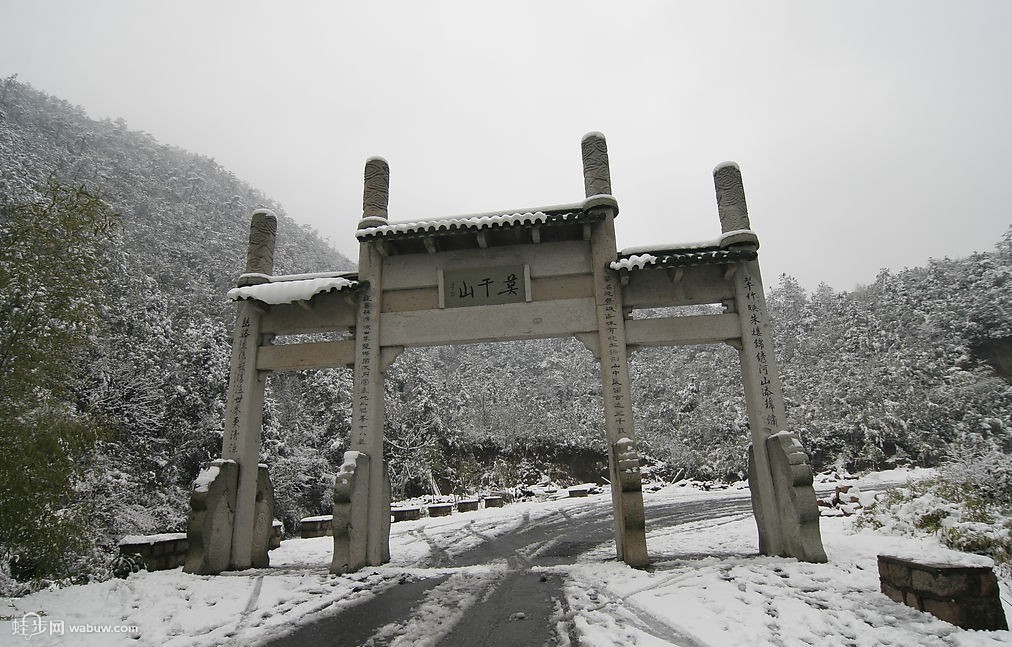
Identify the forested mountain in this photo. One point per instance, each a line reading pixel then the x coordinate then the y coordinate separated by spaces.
pixel 152 374
pixel 895 372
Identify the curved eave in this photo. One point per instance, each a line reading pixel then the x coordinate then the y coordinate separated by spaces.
pixel 452 226
pixel 687 258
pixel 282 290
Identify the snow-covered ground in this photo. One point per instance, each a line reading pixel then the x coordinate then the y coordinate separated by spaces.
pixel 706 586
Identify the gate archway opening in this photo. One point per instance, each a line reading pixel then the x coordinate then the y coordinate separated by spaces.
pixel 489 418
pixel 544 272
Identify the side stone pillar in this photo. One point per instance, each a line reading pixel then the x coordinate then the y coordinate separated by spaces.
pixel 243 422
pixel 772 489
pixel 623 457
pixel 367 403
pixel 244 413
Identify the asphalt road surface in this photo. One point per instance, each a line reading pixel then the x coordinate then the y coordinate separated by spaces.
pixel 512 605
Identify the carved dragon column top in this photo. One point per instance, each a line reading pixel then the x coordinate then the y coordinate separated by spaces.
pixel 596 172
pixel 263 230
pixel 731 206
pixel 376 194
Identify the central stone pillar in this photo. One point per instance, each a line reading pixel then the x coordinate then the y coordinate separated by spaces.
pixel 367 424
pixel 623 457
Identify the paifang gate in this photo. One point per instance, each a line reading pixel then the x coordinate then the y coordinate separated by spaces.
pixel 533 273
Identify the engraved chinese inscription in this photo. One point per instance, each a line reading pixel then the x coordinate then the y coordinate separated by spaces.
pixel 486 286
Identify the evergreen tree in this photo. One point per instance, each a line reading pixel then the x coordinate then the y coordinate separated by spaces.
pixel 51 286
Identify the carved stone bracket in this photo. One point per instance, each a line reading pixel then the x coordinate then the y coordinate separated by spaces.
pixel 212 514
pixel 351 513
pixel 797 510
pixel 263 519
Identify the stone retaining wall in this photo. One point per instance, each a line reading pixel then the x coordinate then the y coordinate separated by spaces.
pixel 320 526
pixel 966 596
pixel 406 514
pixel 160 552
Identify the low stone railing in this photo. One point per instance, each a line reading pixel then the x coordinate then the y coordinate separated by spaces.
pixel 406 514
pixel 168 550
pixel 159 552
pixel 316 526
pixel 963 595
pixel 467 505
pixel 440 509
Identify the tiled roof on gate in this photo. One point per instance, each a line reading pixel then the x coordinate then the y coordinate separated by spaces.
pixel 560 214
pixel 732 247
pixel 682 258
pixel 293 287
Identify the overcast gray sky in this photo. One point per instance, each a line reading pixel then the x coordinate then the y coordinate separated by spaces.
pixel 869 134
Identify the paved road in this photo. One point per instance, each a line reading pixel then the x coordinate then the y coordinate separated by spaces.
pixel 510 606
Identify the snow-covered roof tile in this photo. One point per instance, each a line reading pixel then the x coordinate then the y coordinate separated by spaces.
pixel 654 249
pixel 546 215
pixel 294 287
pixel 681 258
pixel 731 247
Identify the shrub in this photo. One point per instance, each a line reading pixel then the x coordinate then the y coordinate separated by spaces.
pixel 968 505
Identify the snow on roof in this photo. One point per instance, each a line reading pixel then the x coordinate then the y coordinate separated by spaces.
pixel 634 262
pixel 681 258
pixel 706 252
pixel 558 213
pixel 653 249
pixel 294 287
pixel 729 238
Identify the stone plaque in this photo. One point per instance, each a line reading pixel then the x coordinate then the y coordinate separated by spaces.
pixel 484 286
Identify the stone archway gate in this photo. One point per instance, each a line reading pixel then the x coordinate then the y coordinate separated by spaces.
pixel 522 274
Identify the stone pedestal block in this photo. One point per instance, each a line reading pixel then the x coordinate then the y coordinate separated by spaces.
pixel 966 596
pixel 212 515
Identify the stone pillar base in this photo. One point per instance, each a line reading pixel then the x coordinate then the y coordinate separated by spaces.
pixel 263 519
pixel 212 515
pixel 351 514
pixel 795 532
